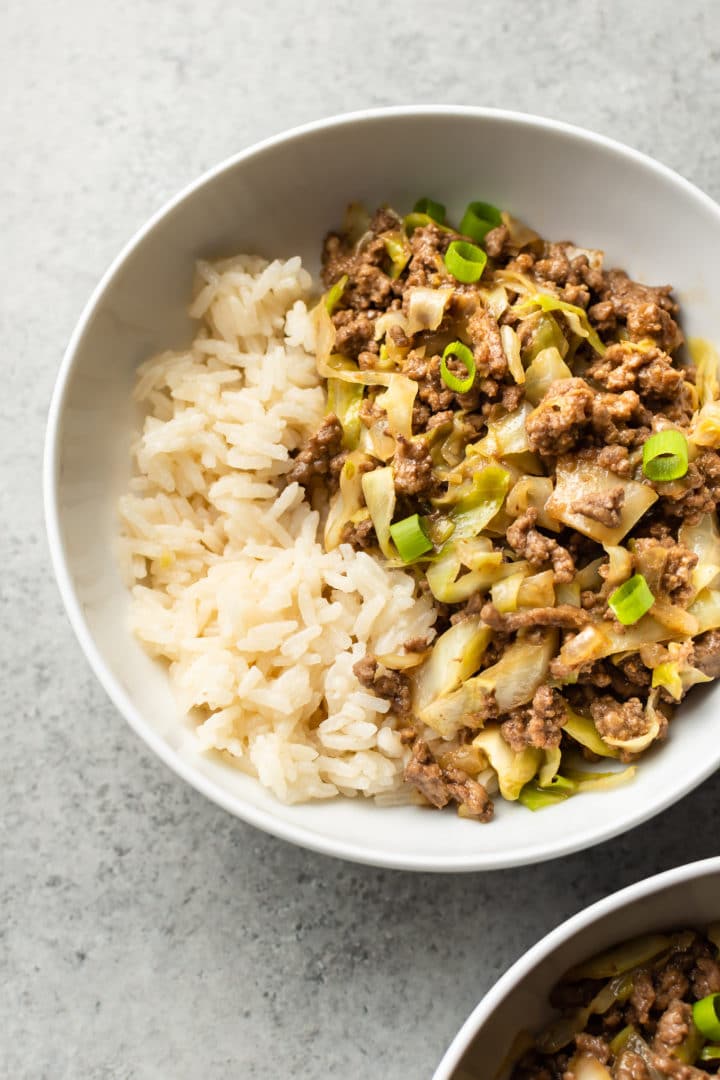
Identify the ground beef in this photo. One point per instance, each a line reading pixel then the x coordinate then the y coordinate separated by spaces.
pixel 671 983
pixel 706 977
pixel 484 334
pixel 632 1067
pixel 495 241
pixel 394 686
pixel 360 534
pixel 697 493
pixel 315 459
pixel 412 467
pixel 674 1025
pixel 593 1046
pixel 649 372
pixel 427 244
pixel 603 506
pixel 707 653
pixel 565 616
pixel 619 720
pixel 620 419
pixel 646 310
pixel 368 285
pixel 432 391
pixel 642 998
pixel 354 333
pixel 442 786
pixel 530 544
pixel 538 724
pixel 675 564
pixel 615 459
pixel 561 418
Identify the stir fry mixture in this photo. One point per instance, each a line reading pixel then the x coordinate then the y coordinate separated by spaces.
pixel 524 430
pixel 646 1010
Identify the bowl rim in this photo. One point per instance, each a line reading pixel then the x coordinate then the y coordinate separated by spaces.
pixel 540 952
pixel 265 820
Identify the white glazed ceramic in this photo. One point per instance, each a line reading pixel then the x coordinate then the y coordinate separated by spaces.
pixel 687 896
pixel 279 198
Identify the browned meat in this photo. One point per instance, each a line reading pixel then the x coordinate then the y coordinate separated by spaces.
pixel 432 391
pixel 603 506
pixel 360 535
pixel 528 542
pixel 698 492
pixel 674 564
pixel 565 616
pixel 649 372
pixel 615 459
pixel 674 1025
pixel 442 786
pixel 561 419
pixel 428 245
pixel 495 241
pixel 632 1067
pixel 538 724
pixel 646 310
pixel 706 977
pixel 672 983
pixel 484 334
pixel 412 467
pixel 416 644
pixel 619 720
pixel 707 653
pixel 354 333
pixel 593 1046
pixel 642 998
pixel 316 457
pixel 391 685
pixel 620 418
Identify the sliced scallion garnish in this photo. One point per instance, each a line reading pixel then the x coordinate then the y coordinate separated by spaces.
pixel 631 600
pixel 706 1014
pixel 665 455
pixel 410 538
pixel 478 219
pixel 465 261
pixel 466 358
pixel 433 209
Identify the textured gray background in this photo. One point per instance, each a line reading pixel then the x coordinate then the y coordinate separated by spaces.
pixel 143 932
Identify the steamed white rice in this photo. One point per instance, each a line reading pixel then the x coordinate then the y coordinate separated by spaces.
pixel 260 626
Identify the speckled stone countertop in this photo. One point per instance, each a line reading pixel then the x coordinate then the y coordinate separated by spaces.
pixel 143 932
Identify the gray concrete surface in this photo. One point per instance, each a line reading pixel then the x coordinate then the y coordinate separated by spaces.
pixel 145 934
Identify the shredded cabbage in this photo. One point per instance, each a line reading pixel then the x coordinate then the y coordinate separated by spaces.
pixel 532 491
pixel 575 480
pixel 506 435
pixel 706 361
pixel 345 399
pixel 705 430
pixel 348 500
pixel 511 348
pixel 378 487
pixel 513 767
pixel 512 681
pixel 455 656
pixel 333 366
pixel 676 675
pixel 426 308
pixel 575 317
pixel 479 506
pixel 704 540
pixel 398 401
pixel 547 368
pixel 583 730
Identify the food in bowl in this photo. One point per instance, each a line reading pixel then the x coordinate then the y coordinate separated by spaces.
pixel 448 531
pixel 644 1010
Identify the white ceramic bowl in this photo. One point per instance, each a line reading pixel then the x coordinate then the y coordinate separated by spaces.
pixel 687 896
pixel 279 198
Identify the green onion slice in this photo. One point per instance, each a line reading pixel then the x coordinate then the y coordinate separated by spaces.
pixel 399 252
pixel 632 600
pixel 710 1053
pixel 478 219
pixel 465 261
pixel 665 455
pixel 334 294
pixel 466 358
pixel 706 1014
pixel 433 209
pixel 410 538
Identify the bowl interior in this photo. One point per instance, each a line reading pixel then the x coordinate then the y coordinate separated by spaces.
pixel 280 200
pixel 482 1046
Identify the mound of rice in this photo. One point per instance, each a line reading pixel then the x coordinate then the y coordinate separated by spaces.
pixel 261 626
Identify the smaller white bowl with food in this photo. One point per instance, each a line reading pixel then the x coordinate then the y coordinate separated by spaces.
pixel 383 500
pixel 628 989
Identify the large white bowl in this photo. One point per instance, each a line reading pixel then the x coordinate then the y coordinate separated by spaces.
pixel 688 896
pixel 279 198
